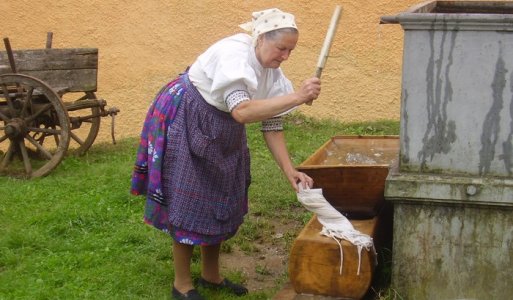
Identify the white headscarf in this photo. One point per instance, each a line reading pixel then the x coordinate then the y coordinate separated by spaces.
pixel 268 20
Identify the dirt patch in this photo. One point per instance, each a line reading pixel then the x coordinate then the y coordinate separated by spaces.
pixel 263 267
pixel 260 272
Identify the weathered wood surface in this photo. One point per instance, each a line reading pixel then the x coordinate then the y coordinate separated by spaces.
pixel 288 293
pixel 355 190
pixel 73 70
pixel 314 263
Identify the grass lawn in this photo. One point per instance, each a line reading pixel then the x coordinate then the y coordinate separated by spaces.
pixel 78 233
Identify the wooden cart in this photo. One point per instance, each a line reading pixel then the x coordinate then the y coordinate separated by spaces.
pixel 47 105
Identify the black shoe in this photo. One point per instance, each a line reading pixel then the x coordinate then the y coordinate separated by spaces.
pixel 192 294
pixel 226 284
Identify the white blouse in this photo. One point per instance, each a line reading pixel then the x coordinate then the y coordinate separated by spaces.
pixel 230 67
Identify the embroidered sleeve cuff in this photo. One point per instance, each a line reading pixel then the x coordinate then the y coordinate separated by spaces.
pixel 235 98
pixel 273 124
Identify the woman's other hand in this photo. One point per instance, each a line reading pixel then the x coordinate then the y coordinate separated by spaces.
pixel 297 178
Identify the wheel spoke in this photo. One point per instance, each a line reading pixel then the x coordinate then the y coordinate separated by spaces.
pixel 5 91
pixel 8 99
pixel 39 147
pixel 28 99
pixel 56 138
pixel 4 117
pixel 7 157
pixel 26 159
pixel 82 98
pixel 76 138
pixel 45 130
pixel 3 138
pixel 42 110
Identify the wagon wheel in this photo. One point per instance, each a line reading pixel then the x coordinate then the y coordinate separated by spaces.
pixel 34 135
pixel 84 120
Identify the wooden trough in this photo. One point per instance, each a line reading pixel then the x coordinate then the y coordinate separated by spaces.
pixel 351 170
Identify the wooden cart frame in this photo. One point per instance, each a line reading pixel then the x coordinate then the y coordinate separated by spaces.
pixel 47 103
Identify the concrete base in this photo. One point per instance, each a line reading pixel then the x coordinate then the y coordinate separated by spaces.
pixel 452 252
pixel 453 236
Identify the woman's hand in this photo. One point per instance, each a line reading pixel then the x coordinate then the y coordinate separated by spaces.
pixel 310 90
pixel 297 178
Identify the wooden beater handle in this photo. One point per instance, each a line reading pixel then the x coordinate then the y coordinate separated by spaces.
pixel 328 40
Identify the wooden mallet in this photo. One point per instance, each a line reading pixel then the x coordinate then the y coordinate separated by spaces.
pixel 328 40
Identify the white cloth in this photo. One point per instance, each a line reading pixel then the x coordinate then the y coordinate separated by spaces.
pixel 268 20
pixel 335 225
pixel 230 65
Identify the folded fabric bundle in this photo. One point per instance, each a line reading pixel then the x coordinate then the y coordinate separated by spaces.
pixel 335 225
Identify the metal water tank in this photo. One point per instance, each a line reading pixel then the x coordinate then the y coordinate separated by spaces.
pixel 453 188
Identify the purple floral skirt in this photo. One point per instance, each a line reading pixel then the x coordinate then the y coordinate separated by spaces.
pixel 196 187
pixel 193 238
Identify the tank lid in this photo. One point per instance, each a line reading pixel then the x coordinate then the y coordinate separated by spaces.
pixel 456 15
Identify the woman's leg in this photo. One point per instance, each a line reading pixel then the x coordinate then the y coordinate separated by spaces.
pixel 210 263
pixel 210 272
pixel 182 255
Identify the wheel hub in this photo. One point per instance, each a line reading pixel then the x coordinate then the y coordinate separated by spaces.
pixel 15 129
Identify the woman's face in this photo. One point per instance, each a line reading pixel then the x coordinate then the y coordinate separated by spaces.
pixel 271 52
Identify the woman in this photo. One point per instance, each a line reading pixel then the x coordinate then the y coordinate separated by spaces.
pixel 193 160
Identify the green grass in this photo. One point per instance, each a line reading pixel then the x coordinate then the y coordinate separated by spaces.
pixel 78 233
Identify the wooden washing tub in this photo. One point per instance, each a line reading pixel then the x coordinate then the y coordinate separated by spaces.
pixel 351 170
